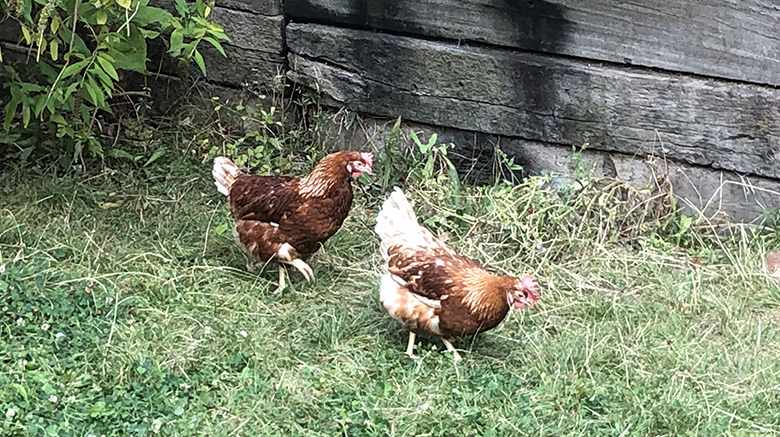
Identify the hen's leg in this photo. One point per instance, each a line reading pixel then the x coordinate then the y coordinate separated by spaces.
pixel 281 280
pixel 410 345
pixel 452 349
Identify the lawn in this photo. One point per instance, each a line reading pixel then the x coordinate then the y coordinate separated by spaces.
pixel 126 310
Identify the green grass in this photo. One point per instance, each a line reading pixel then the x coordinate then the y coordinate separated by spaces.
pixel 125 313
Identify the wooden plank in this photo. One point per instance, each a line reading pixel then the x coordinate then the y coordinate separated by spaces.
pixel 251 31
pixel 241 67
pixel 246 30
pixel 264 7
pixel 704 122
pixel 699 189
pixel 738 40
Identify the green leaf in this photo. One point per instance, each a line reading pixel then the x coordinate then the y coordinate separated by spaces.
pixel 70 90
pixel 55 23
pixel 54 49
pixel 123 3
pixel 432 140
pixel 181 7
pixel 72 69
pixel 101 17
pixel 10 112
pixel 149 34
pixel 216 44
pixel 78 44
pixel 57 118
pixel 105 56
pixel 199 60
pixel 26 152
pixel 119 153
pixel 685 224
pixel 150 14
pixel 39 104
pixel 26 34
pixel 95 409
pixel 219 230
pixel 50 73
pixel 94 146
pixel 428 168
pixel 86 116
pixel 30 87
pixel 20 388
pixel 108 68
pixel 94 91
pixel 177 40
pixel 155 156
pixel 25 115
pixel 105 81
pixel 129 53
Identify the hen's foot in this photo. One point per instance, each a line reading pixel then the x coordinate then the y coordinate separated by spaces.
pixel 304 268
pixel 253 266
pixel 452 349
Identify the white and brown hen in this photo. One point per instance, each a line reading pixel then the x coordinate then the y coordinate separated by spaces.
pixel 433 290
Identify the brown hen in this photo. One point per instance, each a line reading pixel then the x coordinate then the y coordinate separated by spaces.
pixel 286 219
pixel 435 291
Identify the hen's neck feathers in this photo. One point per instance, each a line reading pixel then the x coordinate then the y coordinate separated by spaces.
pixel 330 172
pixel 485 293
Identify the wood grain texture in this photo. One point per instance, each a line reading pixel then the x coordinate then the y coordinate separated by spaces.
pixel 251 31
pixel 732 39
pixel 714 192
pixel 541 98
pixel 264 7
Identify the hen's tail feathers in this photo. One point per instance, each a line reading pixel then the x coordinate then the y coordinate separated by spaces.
pixel 396 222
pixel 225 173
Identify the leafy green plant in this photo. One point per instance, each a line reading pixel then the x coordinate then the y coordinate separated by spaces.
pixel 258 147
pixel 505 169
pixel 436 163
pixel 423 162
pixel 82 52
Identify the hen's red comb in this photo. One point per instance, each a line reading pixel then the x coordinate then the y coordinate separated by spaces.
pixel 368 158
pixel 530 284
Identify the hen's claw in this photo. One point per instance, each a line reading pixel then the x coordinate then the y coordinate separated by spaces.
pixel 304 268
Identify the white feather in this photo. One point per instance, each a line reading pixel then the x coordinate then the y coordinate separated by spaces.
pixel 225 173
pixel 396 223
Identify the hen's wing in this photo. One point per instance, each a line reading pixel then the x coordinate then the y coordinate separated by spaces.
pixel 264 198
pixel 431 272
pixel 420 262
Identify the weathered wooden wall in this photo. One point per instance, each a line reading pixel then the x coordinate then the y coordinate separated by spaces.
pixel 692 82
pixel 255 52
